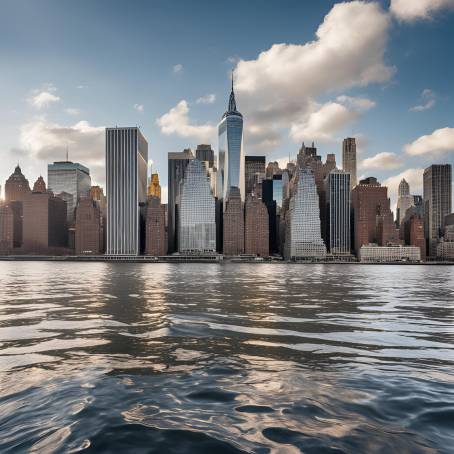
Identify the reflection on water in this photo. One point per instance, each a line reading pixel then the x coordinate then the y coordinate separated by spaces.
pixel 226 358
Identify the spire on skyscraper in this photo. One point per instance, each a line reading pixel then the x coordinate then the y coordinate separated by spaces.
pixel 232 103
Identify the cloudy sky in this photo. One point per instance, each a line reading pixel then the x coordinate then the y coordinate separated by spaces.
pixel 305 71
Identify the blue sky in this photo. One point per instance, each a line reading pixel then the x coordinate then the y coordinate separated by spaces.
pixel 319 70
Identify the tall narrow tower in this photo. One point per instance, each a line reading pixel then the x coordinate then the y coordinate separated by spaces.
pixel 349 159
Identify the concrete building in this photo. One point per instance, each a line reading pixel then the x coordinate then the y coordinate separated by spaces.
pixel 349 159
pixel 88 227
pixel 156 234
pixel 254 165
pixel 256 234
pixel 386 254
pixel 233 237
pixel 126 183
pixel 404 201
pixel 197 212
pixel 437 182
pixel 17 187
pixel 205 153
pixel 6 229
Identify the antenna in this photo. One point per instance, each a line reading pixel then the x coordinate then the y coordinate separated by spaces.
pixel 67 153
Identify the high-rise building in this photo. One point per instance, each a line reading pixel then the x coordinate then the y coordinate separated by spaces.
pixel 437 202
pixel 404 201
pixel 126 183
pixel 278 190
pixel 154 188
pixel 253 165
pixel 272 169
pixel 69 177
pixel 233 237
pixel 88 227
pixel 156 239
pixel 256 233
pixel 303 234
pixel 349 159
pixel 177 163
pixel 16 186
pixel 205 153
pixel 6 229
pixel 337 189
pixel 39 185
pixel 231 153
pixel 196 215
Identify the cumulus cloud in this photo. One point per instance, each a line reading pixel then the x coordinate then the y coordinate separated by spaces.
pixel 43 99
pixel 412 10
pixel 178 68
pixel 439 142
pixel 138 107
pixel 428 100
pixel 72 111
pixel 176 121
pixel 359 104
pixel 48 141
pixel 207 99
pixel 384 161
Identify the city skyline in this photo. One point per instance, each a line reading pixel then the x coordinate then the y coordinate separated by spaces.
pixel 383 100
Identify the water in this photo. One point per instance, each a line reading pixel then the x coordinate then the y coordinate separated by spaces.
pixel 100 357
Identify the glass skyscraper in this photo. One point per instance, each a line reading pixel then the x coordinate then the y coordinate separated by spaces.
pixel 231 153
pixel 126 183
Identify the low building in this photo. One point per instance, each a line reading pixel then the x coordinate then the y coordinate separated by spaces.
pixel 385 254
pixel 445 250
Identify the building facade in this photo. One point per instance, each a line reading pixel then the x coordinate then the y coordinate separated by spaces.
pixel 6 229
pixel 404 200
pixel 126 183
pixel 154 188
pixel 16 186
pixel 254 165
pixel 256 233
pixel 88 227
pixel 205 153
pixel 386 254
pixel 233 237
pixel 349 159
pixel 156 235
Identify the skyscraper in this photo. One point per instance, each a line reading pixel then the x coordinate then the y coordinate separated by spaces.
pixel 72 178
pixel 177 163
pixel 205 153
pixel 253 165
pixel 154 188
pixel 16 186
pixel 231 153
pixel 88 225
pixel 437 202
pixel 349 159
pixel 256 233
pixel 156 240
pixel 126 183
pixel 337 185
pixel 303 235
pixel 233 237
pixel 6 229
pixel 196 216
pixel 404 201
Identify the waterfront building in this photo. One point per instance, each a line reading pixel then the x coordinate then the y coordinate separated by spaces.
pixel 177 163
pixel 6 229
pixel 254 169
pixel 449 227
pixel 126 183
pixel 233 237
pixel 156 235
pixel 72 178
pixel 303 235
pixel 385 254
pixel 205 153
pixel 404 201
pixel 88 227
pixel 337 189
pixel 154 188
pixel 256 234
pixel 16 186
pixel 196 217
pixel 231 154
pixel 349 159
pixel 437 181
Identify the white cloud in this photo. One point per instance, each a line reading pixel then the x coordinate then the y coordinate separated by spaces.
pixel 71 111
pixel 164 194
pixel 383 161
pixel 440 141
pixel 412 10
pixel 178 68
pixel 138 107
pixel 48 141
pixel 360 104
pixel 282 84
pixel 43 99
pixel 428 100
pixel 176 121
pixel 207 99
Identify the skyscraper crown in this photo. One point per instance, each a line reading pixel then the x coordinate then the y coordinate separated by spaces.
pixel 231 110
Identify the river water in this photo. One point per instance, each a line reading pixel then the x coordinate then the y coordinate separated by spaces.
pixel 207 358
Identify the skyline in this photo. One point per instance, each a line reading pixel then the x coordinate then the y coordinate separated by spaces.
pixel 380 95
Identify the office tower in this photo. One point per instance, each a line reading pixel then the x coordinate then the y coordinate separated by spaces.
pixel 126 183
pixel 231 153
pixel 373 221
pixel 177 163
pixel 269 200
pixel 205 153
pixel 253 165
pixel 39 185
pixel 349 159
pixel 337 185
pixel 44 223
pixel 437 202
pixel 6 229
pixel 404 201
pixel 69 177
pixel 16 186
pixel 97 194
pixel 277 189
pixel 256 233
pixel 196 215
pixel 272 169
pixel 154 188
pixel 303 235
pixel 156 240
pixel 88 227
pixel 233 236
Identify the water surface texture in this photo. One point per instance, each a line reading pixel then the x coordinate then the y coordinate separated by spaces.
pixel 207 358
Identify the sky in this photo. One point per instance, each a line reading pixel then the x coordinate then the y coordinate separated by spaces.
pixel 381 71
